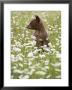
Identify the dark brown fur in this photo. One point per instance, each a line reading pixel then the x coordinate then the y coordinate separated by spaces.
pixel 40 33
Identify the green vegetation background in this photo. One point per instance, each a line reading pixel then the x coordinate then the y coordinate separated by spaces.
pixel 27 61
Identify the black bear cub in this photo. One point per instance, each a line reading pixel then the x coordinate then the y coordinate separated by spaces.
pixel 40 33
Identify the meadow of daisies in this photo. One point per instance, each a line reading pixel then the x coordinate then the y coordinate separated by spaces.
pixel 27 61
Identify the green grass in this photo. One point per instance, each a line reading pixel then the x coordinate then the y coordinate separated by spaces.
pixel 27 61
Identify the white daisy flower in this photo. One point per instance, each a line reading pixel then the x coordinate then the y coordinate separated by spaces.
pixel 40 73
pixel 12 58
pixel 16 49
pixel 56 64
pixel 46 62
pixel 42 56
pixel 26 77
pixel 33 37
pixel 30 54
pixel 50 45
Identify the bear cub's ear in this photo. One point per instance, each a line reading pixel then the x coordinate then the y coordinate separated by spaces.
pixel 37 18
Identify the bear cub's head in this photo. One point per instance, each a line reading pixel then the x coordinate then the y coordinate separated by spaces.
pixel 35 23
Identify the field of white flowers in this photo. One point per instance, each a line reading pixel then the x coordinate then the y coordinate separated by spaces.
pixel 27 61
